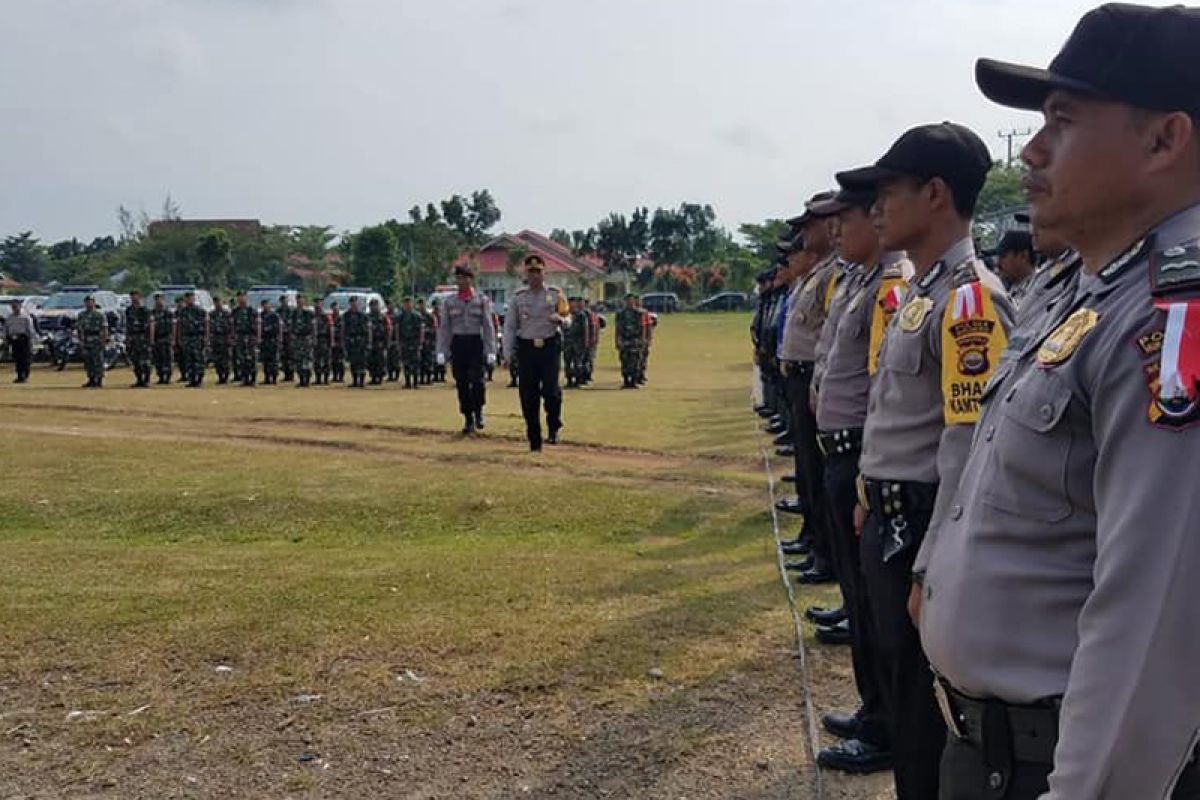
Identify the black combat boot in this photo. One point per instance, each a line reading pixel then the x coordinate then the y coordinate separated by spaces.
pixel 468 424
pixel 479 420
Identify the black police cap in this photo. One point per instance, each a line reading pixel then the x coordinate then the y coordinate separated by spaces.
pixel 1015 241
pixel 945 150
pixel 463 270
pixel 1145 57
pixel 815 208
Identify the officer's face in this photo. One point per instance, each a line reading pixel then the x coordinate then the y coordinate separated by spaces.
pixel 463 282
pixel 901 213
pixel 135 300
pixel 241 301
pixel 534 277
pixel 1085 165
pixel 858 241
pixel 816 235
pixel 158 304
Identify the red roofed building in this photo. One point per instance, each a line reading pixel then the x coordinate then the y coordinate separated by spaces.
pixel 497 277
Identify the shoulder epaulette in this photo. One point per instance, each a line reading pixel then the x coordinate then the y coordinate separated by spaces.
pixel 967 272
pixel 521 290
pixel 1176 269
pixel 1126 259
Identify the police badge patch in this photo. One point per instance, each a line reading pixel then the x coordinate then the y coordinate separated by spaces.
pixel 912 316
pixel 1064 340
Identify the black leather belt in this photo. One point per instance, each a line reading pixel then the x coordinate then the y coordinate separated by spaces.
pixel 896 498
pixel 1003 731
pixel 848 440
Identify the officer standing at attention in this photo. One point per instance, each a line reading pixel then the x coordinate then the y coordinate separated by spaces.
pixel 285 346
pixel 164 335
pixel 1015 261
pixel 139 332
pixel 20 329
pixel 192 332
pixel 575 344
pixel 381 334
pixel 466 334
pixel 337 348
pixel 220 327
pixel 937 355
pixel 247 330
pixel 322 342
pixel 303 328
pixel 1057 602
pixel 356 341
pixel 92 329
pixel 271 329
pixel 532 332
pixel 627 327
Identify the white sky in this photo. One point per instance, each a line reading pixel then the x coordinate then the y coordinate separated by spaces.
pixel 347 112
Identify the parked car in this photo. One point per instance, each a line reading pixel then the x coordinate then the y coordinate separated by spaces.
pixel 171 291
pixel 661 302
pixel 271 293
pixel 364 294
pixel 67 303
pixel 29 302
pixel 723 301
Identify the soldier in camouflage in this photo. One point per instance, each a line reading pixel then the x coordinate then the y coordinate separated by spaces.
pixel 139 335
pixel 323 343
pixel 630 336
pixel 163 338
pixel 393 350
pixel 92 329
pixel 246 333
pixel 381 334
pixel 271 331
pixel 337 346
pixel 429 345
pixel 303 329
pixel 285 348
pixel 356 341
pixel 575 341
pixel 192 333
pixel 411 333
pixel 220 327
pixel 176 347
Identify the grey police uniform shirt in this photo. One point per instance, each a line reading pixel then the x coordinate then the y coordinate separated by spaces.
pixel 458 317
pixel 806 313
pixel 1068 564
pixel 20 324
pixel 530 316
pixel 1052 284
pixel 847 277
pixel 845 389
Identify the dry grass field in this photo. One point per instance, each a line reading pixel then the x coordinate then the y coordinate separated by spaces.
pixel 275 592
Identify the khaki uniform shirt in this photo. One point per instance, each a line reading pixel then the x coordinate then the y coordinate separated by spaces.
pixel 806 313
pixel 1067 566
pixel 531 315
pixel 458 317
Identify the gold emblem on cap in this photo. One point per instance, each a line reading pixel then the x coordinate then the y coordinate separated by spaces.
pixel 1060 344
pixel 914 313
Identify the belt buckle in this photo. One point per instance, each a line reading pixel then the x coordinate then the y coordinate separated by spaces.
pixel 539 343
pixel 943 700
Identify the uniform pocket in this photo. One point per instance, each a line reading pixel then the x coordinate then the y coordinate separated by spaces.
pixel 1030 449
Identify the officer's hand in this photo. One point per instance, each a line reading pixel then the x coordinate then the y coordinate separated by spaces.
pixel 441 359
pixel 914 604
pixel 860 516
pixel 491 359
pixel 785 368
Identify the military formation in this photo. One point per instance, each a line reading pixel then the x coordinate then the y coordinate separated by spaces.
pixel 994 468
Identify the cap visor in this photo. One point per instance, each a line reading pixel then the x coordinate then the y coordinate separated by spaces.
pixel 1017 86
pixel 865 177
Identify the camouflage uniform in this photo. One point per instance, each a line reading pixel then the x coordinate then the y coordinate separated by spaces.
pixel 269 347
pixel 429 345
pixel 393 350
pixel 92 327
pixel 322 346
pixel 381 329
pixel 192 324
pixel 285 349
pixel 245 344
pixel 220 330
pixel 630 344
pixel 303 329
pixel 575 341
pixel 337 347
pixel 164 322
pixel 356 330
pixel 589 355
pixel 410 334
pixel 137 343
pixel 644 350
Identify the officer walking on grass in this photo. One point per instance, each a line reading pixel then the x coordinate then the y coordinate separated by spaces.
pixel 532 332
pixel 20 330
pixel 1057 601
pixel 465 335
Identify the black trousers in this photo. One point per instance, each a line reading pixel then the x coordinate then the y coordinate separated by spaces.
pixel 965 776
pixel 537 376
pixel 466 362
pixel 841 472
pixel 22 354
pixel 810 466
pixel 918 733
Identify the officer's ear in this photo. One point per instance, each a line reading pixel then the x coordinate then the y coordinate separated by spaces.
pixel 1170 140
pixel 937 194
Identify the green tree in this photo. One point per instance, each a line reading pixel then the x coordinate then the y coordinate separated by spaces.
pixel 375 259
pixel 471 218
pixel 763 238
pixel 561 236
pixel 213 251
pixel 23 257
pixel 1002 190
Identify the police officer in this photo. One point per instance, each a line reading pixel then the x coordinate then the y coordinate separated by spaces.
pixel 1058 599
pixel 532 328
pixel 139 333
pixel 936 357
pixel 466 335
pixel 20 330
pixel 864 304
pixel 1015 261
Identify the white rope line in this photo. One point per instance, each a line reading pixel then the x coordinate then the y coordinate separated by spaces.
pixel 810 712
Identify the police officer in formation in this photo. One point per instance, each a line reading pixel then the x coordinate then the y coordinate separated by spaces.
pixel 139 336
pixel 533 333
pixel 247 331
pixel 466 336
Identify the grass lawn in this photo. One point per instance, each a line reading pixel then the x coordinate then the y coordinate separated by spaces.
pixel 325 593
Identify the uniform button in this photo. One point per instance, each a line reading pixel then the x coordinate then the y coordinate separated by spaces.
pixel 1047 412
pixel 956 512
pixel 995 781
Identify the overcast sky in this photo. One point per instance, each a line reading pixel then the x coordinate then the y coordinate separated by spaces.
pixel 348 112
